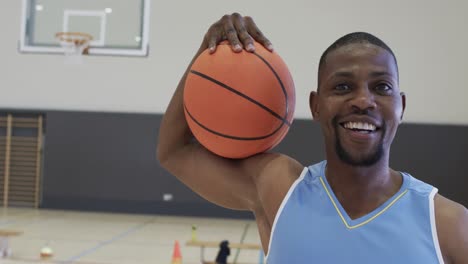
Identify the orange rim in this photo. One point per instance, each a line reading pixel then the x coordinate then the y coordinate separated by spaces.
pixel 73 36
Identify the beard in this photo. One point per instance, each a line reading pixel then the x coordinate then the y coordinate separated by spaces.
pixel 364 160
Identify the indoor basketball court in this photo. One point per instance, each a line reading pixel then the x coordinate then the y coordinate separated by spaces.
pixel 104 238
pixel 76 35
pixel 86 84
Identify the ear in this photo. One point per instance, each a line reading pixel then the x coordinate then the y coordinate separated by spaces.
pixel 403 102
pixel 313 104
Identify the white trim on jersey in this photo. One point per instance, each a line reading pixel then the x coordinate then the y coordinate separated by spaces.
pixel 283 203
pixel 433 225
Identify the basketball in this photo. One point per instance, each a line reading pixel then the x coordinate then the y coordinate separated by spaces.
pixel 239 104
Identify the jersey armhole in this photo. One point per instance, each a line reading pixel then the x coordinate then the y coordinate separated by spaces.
pixel 435 238
pixel 280 209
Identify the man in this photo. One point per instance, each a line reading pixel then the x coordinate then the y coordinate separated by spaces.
pixel 350 208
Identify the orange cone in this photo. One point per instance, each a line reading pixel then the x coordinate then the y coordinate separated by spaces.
pixel 176 256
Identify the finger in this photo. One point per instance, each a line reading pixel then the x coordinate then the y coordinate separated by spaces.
pixel 256 33
pixel 212 42
pixel 213 37
pixel 242 34
pixel 231 35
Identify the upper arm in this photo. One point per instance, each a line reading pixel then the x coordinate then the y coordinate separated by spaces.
pixel 227 182
pixel 452 229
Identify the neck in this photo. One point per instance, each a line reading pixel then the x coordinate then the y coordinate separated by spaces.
pixel 362 189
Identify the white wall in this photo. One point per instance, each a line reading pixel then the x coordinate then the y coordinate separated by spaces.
pixel 429 37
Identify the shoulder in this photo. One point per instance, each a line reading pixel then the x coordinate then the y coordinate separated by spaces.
pixel 452 229
pixel 451 214
pixel 277 172
pixel 279 166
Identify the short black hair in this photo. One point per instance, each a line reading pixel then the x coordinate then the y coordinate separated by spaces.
pixel 354 38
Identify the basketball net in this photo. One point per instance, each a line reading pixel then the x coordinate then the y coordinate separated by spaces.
pixel 74 45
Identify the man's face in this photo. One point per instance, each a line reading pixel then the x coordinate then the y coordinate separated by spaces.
pixel 359 105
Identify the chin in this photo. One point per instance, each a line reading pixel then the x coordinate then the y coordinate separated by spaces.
pixel 367 159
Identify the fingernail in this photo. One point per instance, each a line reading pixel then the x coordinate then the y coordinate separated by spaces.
pixel 270 46
pixel 250 47
pixel 237 47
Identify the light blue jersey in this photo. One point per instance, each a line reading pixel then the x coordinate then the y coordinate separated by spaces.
pixel 312 227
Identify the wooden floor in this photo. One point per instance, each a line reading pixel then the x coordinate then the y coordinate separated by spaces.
pixel 102 238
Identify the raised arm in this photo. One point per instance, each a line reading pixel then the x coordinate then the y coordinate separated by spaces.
pixel 226 182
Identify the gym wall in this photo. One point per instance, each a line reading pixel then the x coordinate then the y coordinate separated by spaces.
pixel 107 162
pixel 102 117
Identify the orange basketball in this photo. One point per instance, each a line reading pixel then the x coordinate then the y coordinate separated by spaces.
pixel 239 104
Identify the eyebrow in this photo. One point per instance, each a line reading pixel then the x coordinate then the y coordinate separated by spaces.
pixel 343 74
pixel 379 73
pixel 350 74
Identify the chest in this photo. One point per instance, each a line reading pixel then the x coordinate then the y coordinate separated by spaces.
pixel 312 227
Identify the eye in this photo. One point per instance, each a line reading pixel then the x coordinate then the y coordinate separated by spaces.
pixel 384 88
pixel 342 87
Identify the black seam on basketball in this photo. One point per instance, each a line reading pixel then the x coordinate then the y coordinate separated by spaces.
pixel 225 86
pixel 229 136
pixel 280 82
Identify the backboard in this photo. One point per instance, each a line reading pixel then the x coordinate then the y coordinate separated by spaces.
pixel 118 27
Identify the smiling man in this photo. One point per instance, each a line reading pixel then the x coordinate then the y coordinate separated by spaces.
pixel 350 208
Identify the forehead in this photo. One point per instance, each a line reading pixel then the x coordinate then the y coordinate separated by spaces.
pixel 359 57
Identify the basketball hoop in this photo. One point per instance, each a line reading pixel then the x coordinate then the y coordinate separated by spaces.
pixel 74 45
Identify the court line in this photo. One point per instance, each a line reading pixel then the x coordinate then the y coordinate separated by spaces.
pixel 107 242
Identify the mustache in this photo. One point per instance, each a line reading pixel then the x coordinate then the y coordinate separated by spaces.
pixel 342 152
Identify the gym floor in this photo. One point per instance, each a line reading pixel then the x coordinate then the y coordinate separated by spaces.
pixel 104 238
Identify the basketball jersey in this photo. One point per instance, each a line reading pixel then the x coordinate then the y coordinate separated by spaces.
pixel 312 227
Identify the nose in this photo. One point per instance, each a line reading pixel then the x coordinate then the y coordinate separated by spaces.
pixel 363 99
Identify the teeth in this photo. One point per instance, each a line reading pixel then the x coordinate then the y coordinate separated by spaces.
pixel 359 125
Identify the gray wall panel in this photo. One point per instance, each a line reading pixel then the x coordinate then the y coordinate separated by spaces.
pixel 436 154
pixel 106 162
